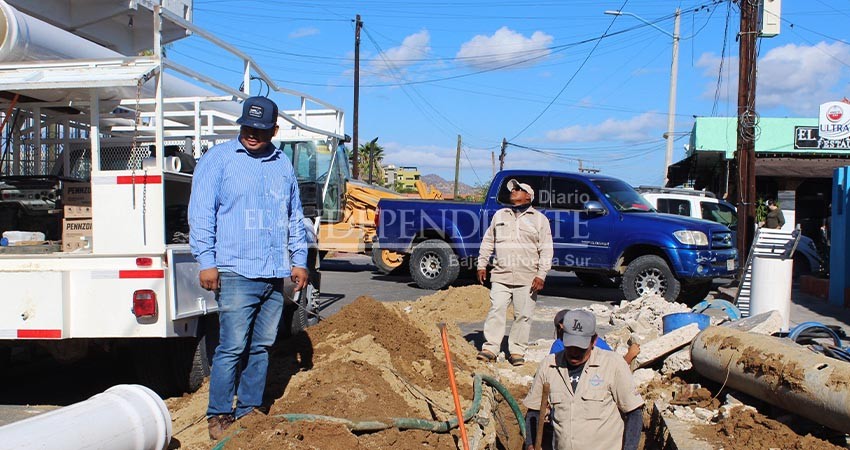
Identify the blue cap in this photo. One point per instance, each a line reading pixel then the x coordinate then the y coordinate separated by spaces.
pixel 258 112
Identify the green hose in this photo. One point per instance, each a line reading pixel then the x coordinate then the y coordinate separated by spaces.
pixel 412 423
pixel 509 398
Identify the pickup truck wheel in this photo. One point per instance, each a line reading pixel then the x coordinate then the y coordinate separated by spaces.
pixel 297 317
pixel 649 274
pixel 388 262
pixel 433 264
pixel 693 293
pixel 173 366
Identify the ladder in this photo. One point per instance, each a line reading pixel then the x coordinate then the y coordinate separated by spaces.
pixel 766 242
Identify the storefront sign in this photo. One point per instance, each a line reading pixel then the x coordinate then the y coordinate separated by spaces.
pixel 832 132
pixel 810 138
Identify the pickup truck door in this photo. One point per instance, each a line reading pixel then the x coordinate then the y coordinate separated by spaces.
pixel 581 239
pixel 540 183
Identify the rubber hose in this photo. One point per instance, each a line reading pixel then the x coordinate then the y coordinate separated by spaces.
pixel 510 399
pixel 412 423
pixel 798 331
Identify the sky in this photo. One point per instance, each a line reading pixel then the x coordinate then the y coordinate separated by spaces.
pixel 562 82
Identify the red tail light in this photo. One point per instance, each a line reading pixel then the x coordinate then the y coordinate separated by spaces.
pixel 144 262
pixel 377 216
pixel 144 303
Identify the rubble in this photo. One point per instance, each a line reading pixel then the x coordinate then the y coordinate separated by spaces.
pixel 679 361
pixel 654 350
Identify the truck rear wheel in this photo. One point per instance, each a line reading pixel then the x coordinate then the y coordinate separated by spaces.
pixel 173 366
pixel 433 264
pixel 648 275
pixel 298 316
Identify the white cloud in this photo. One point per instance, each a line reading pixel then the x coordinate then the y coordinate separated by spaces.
pixel 395 61
pixel 303 32
pixel 796 77
pixel 505 47
pixel 643 127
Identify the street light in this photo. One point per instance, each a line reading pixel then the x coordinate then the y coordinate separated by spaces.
pixel 674 73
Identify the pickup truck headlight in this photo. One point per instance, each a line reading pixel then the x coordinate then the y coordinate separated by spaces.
pixel 690 237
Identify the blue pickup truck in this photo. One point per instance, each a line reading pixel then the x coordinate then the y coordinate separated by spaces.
pixel 603 230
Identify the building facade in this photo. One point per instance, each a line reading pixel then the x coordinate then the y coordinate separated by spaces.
pixel 795 160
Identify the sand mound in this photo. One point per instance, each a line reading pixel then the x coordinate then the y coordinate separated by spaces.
pixel 370 361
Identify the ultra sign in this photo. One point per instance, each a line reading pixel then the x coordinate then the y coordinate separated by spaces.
pixel 834 121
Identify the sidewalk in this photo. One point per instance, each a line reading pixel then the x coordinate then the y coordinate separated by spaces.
pixel 807 308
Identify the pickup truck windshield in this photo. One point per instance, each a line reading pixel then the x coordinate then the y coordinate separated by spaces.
pixel 623 196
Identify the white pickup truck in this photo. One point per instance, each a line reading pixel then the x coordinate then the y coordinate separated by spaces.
pixel 705 205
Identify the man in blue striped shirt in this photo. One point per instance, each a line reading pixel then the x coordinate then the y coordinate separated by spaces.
pixel 246 232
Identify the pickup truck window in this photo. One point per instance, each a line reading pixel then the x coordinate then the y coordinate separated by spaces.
pixel 623 196
pixel 720 213
pixel 674 206
pixel 570 194
pixel 540 184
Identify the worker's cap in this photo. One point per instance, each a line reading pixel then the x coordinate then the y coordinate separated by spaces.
pixel 258 112
pixel 579 328
pixel 559 317
pixel 514 184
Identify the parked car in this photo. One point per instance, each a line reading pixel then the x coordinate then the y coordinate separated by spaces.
pixel 601 227
pixel 705 205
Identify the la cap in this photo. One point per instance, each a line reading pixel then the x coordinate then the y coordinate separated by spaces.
pixel 579 328
pixel 513 184
pixel 258 112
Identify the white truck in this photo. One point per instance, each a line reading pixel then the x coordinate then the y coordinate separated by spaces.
pixel 97 153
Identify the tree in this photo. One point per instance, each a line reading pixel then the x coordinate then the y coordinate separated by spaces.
pixel 375 153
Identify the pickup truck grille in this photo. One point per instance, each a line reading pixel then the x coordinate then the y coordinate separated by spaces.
pixel 721 239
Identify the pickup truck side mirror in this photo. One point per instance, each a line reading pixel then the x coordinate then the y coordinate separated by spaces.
pixel 593 207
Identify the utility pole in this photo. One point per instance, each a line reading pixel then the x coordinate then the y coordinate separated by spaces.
pixel 745 152
pixel 493 163
pixel 355 170
pixel 502 154
pixel 671 107
pixel 457 166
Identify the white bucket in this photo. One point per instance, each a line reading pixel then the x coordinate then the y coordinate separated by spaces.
pixel 771 287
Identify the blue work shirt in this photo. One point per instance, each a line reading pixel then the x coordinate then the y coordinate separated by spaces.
pixel 245 213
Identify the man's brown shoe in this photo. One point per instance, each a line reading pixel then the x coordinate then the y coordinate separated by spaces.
pixel 218 424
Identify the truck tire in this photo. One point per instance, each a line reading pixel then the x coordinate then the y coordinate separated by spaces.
pixel 433 264
pixel 693 293
pixel 650 274
pixel 388 262
pixel 596 279
pixel 174 366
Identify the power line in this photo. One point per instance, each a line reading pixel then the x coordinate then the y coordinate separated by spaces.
pixel 581 66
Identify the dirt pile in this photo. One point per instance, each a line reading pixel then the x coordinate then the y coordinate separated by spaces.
pixel 745 429
pixel 371 361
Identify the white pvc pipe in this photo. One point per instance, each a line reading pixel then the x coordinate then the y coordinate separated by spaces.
pixel 25 38
pixel 124 417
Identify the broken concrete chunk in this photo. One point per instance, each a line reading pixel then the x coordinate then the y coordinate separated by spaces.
pixel 677 362
pixel 704 414
pixel 652 351
pixel 764 323
pixel 643 376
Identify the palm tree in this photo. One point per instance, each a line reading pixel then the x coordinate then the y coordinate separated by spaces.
pixel 374 154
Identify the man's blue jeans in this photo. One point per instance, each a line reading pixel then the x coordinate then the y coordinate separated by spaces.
pixel 249 311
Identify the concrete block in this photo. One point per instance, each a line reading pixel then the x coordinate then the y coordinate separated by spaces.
pixel 764 323
pixel 677 362
pixel 656 349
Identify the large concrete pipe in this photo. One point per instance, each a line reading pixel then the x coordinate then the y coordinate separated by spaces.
pixel 124 417
pixel 777 371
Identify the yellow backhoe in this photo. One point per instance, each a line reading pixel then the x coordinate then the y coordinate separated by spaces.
pixel 347 205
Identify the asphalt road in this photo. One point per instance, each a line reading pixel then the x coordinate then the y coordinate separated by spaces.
pixel 44 385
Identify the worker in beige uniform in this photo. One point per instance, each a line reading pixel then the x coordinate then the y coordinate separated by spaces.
pixel 593 400
pixel 520 242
